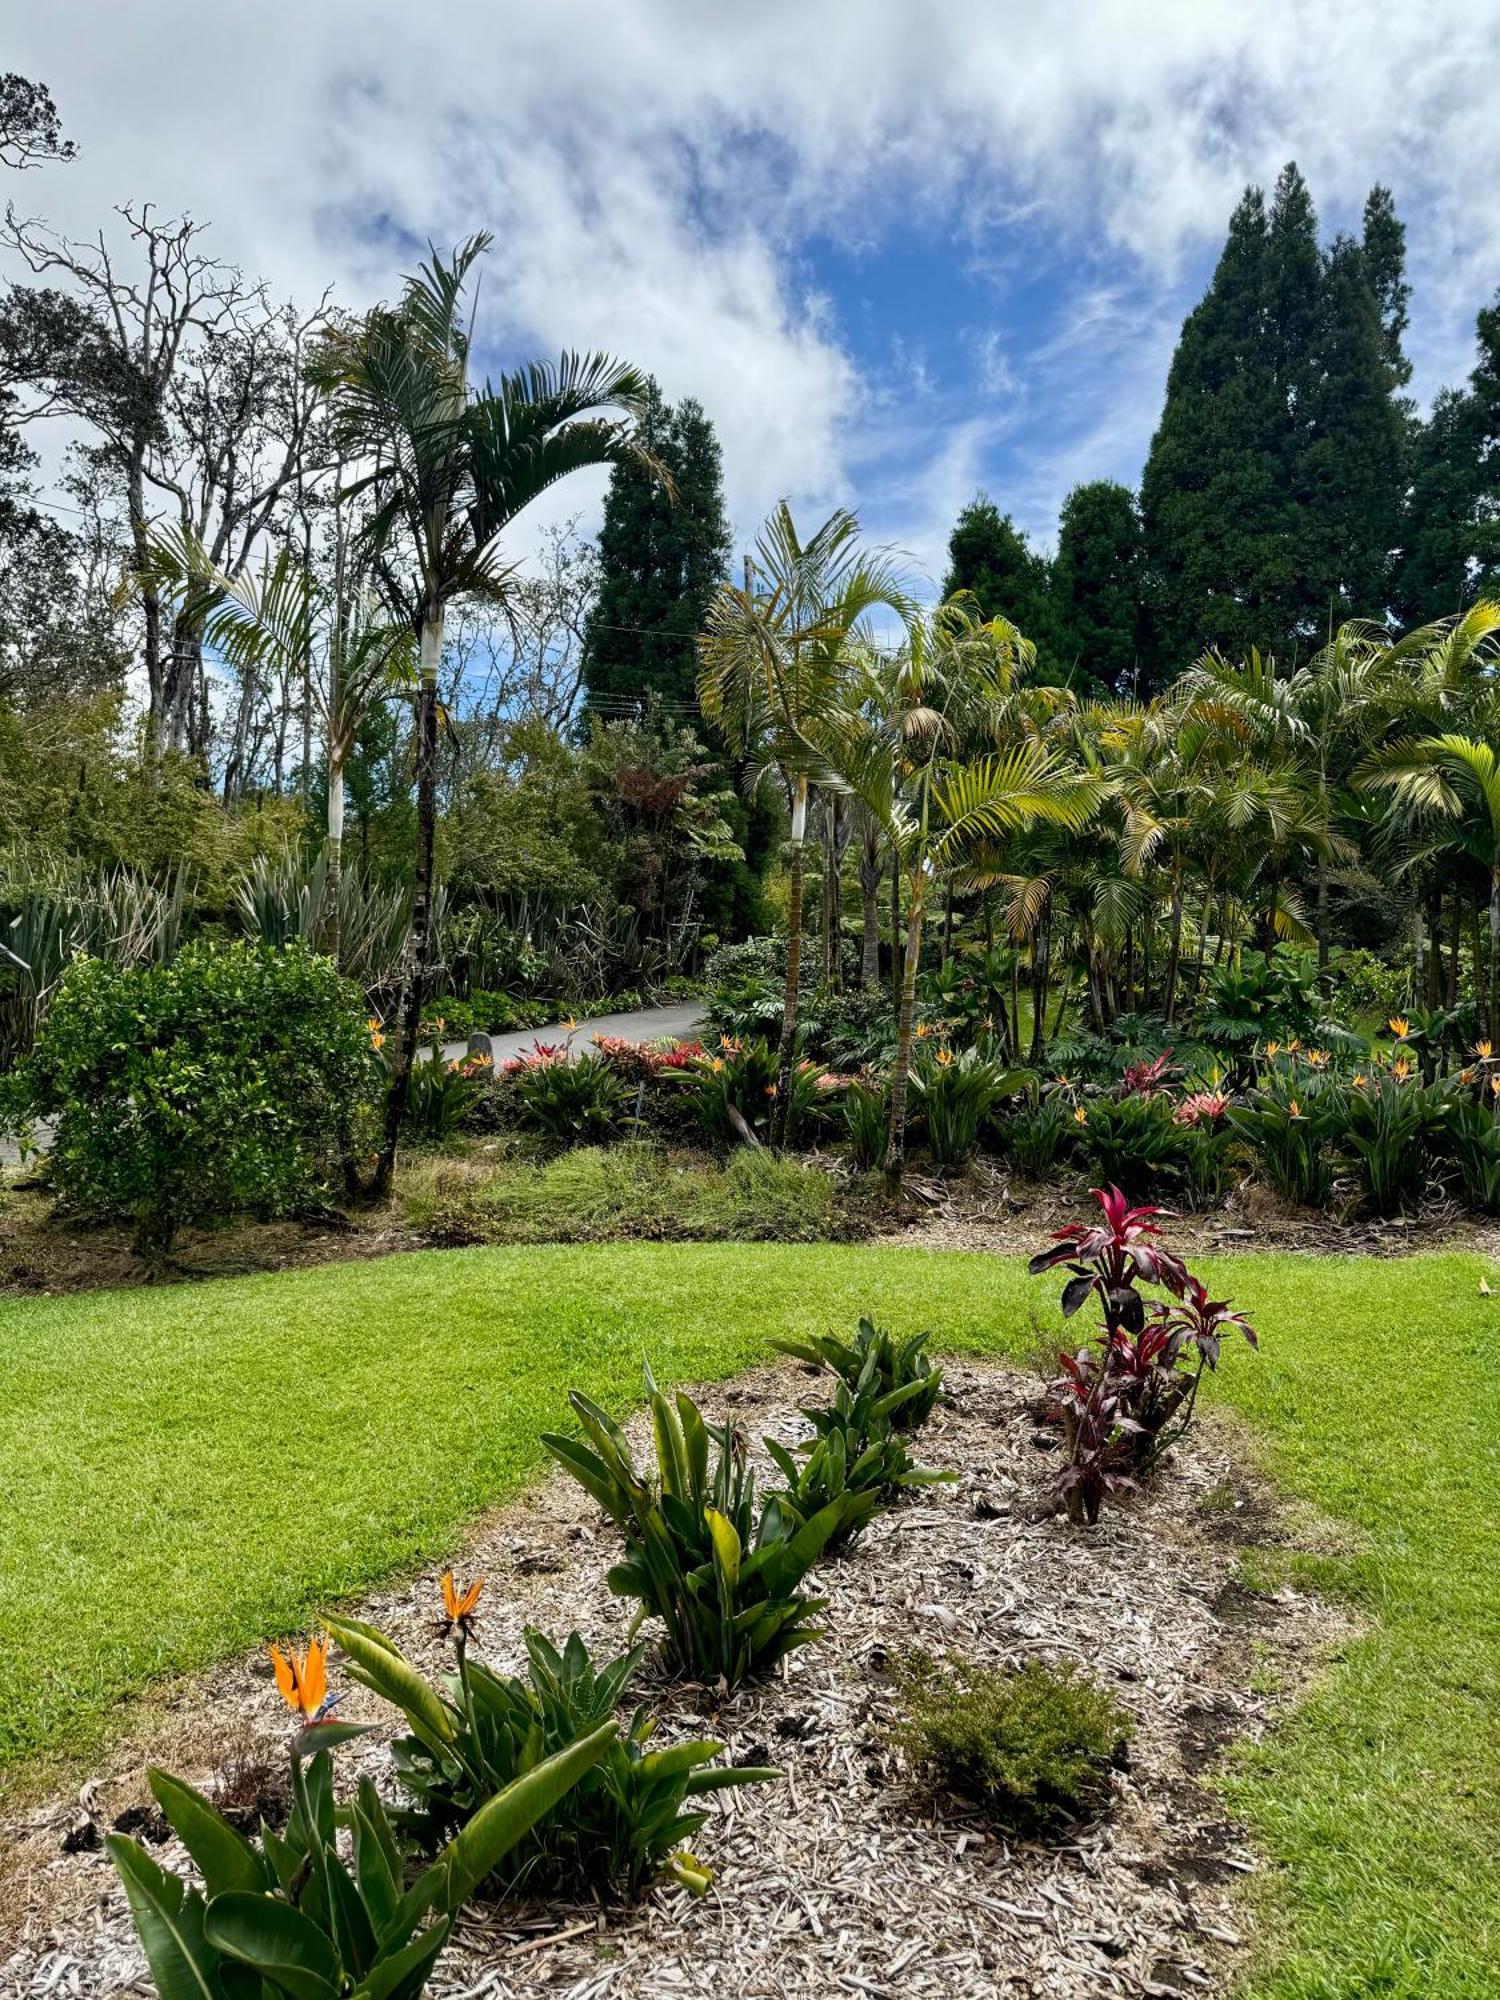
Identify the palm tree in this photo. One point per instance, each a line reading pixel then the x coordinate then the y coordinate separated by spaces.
pixel 937 808
pixel 775 662
pixel 447 470
pixel 335 638
pixel 1457 778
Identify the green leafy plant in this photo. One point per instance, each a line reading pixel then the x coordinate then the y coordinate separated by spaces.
pixel 952 1095
pixel 293 1914
pixel 1472 1136
pixel 1290 1128
pixel 441 1095
pixel 227 1080
pixel 856 1449
pixel 722 1574
pixel 1036 1134
pixel 735 1093
pixel 621 1825
pixel 1132 1141
pixel 1390 1123
pixel 581 1103
pixel 898 1372
pixel 1031 1744
pixel 867 1114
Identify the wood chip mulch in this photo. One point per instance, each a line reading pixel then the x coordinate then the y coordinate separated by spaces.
pixel 845 1877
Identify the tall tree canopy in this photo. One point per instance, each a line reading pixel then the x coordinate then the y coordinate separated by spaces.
pixel 1271 493
pixel 990 558
pixel 661 556
pixel 1097 584
pixel 1450 540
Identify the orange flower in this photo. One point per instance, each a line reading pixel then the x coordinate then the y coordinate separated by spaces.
pixel 459 1605
pixel 1399 1026
pixel 1294 1108
pixel 1359 1080
pixel 570 1024
pixel 377 1041
pixel 943 1058
pixel 1401 1069
pixel 304 1684
pixel 1273 1049
pixel 1080 1116
pixel 1495 1085
pixel 1484 1050
pixel 1317 1058
pixel 1293 1045
pixel 717 1064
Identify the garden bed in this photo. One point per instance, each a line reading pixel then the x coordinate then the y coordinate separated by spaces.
pixel 843 1876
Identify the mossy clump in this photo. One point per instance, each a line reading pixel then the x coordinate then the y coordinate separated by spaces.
pixel 1031 1744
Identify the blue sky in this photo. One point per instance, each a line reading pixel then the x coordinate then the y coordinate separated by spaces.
pixel 898 252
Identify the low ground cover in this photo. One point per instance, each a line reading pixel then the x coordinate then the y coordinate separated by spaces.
pixel 188 1470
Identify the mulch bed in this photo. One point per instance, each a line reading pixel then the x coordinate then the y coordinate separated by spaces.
pixel 846 1876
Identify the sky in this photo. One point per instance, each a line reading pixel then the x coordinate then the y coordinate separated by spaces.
pixel 900 252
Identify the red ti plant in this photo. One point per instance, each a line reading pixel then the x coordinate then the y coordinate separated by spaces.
pixel 1126 1398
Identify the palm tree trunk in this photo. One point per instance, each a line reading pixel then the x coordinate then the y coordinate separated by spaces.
pixel 331 928
pixel 870 869
pixel 1174 950
pixel 895 932
pixel 895 1145
pixel 419 937
pixel 787 1050
pixel 1491 1025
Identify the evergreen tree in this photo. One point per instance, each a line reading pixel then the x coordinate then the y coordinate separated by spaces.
pixel 1351 462
pixel 1097 582
pixel 1451 530
pixel 989 556
pixel 659 561
pixel 1211 492
pixel 1271 494
pixel 1384 246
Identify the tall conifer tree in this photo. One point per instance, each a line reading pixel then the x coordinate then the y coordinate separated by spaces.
pixel 1097 580
pixel 660 558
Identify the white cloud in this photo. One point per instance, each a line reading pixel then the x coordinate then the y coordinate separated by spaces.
pixel 651 169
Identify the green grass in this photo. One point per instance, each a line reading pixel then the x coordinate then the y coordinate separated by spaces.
pixel 634 1192
pixel 187 1471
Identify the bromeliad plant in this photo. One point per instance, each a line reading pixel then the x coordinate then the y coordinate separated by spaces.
pixel 294 1914
pixel 723 1576
pixel 622 1825
pixel 856 1450
pixel 898 1373
pixel 1124 1400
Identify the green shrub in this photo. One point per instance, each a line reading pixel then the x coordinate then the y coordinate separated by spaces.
pixel 721 1574
pixel 952 1095
pixel 441 1096
pixel 292 1914
pixel 1289 1129
pixel 228 1080
pixel 867 1116
pixel 1390 1124
pixel 1031 1744
pixel 856 1449
pixel 580 1103
pixel 623 1823
pixel 1035 1136
pixel 898 1372
pixel 1473 1138
pixel 734 1093
pixel 1131 1142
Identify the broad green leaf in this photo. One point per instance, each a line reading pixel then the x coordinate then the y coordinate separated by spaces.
pixel 283 1946
pixel 221 1853
pixel 394 1677
pixel 168 1918
pixel 505 1819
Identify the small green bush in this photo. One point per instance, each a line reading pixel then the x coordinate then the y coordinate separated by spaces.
pixel 580 1103
pixel 1131 1143
pixel 229 1080
pixel 897 1372
pixel 1032 1744
pixel 952 1095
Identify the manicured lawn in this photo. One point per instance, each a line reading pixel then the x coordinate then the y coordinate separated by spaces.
pixel 187 1471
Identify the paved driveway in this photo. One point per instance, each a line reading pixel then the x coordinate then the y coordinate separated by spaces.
pixel 648 1024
